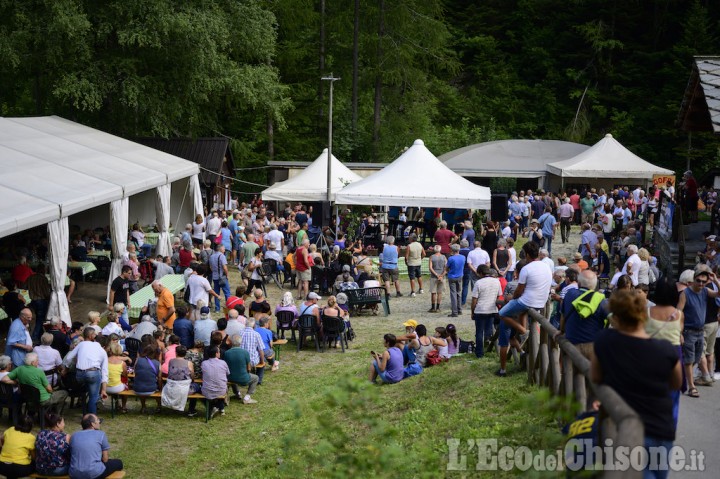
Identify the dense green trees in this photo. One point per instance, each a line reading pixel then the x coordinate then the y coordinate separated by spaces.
pixel 451 72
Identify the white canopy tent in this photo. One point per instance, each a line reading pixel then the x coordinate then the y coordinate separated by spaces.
pixel 311 183
pixel 606 159
pixel 416 178
pixel 54 168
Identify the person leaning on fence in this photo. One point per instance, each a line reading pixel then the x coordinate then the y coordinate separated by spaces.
pixel 583 313
pixel 532 291
pixel 642 370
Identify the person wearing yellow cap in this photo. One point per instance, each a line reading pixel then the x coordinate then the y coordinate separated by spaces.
pixel 412 367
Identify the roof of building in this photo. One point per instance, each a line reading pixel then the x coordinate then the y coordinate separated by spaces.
pixel 510 158
pixel 700 109
pixel 209 153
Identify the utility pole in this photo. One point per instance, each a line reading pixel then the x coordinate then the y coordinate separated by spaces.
pixel 332 80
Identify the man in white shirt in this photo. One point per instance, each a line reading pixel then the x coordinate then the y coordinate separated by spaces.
pixel 485 295
pixel 632 265
pixel 276 236
pixel 545 258
pixel 477 257
pixel 506 231
pixel 533 290
pixel 91 367
pixel 200 289
pixel 213 227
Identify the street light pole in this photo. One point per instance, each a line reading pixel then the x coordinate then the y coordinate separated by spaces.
pixel 332 80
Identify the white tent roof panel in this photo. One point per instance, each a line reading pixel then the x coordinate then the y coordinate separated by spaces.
pixel 39 211
pixel 311 183
pixel 53 167
pixel 606 159
pixel 416 178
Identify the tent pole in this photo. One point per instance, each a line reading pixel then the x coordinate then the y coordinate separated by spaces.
pixel 332 81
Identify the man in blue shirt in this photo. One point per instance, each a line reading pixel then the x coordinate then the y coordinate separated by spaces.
pixel 89 451
pixel 19 342
pixel 548 223
pixel 581 327
pixel 455 266
pixel 218 266
pixel 183 327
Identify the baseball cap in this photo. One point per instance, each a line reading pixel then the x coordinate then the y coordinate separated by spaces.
pixel 346 267
pixel 712 238
pixel 534 221
pixel 204 310
pixel 702 269
pixel 410 323
pixel 313 295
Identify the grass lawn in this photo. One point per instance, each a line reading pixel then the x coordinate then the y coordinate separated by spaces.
pixel 318 416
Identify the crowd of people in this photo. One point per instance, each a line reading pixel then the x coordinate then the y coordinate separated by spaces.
pixel 597 297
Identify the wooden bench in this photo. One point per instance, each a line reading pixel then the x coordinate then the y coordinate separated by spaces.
pixel 130 393
pixel 276 347
pixel 114 475
pixel 358 298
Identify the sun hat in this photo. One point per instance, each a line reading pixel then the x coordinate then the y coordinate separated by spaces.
pixel 410 323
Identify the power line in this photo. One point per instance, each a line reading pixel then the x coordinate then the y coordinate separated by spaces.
pixel 233 179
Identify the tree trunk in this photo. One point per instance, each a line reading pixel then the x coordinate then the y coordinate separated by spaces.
pixel 271 137
pixel 355 74
pixel 378 81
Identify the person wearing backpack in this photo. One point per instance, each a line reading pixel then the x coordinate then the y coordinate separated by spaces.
pixel 584 311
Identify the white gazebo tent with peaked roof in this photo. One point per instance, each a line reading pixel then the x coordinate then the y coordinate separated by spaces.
pixel 416 178
pixel 311 183
pixel 607 159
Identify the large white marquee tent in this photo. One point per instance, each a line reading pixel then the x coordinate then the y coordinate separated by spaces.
pixel 311 183
pixel 416 178
pixel 54 168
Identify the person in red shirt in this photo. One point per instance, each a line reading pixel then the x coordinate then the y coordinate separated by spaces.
pixel 21 273
pixel 575 202
pixel 691 196
pixel 443 237
pixel 303 262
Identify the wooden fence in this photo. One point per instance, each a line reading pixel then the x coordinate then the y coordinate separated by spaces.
pixel 553 362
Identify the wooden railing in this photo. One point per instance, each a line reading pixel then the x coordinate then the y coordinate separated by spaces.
pixel 554 362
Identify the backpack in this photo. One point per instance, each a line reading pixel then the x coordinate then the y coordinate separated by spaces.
pixel 466 347
pixel 432 358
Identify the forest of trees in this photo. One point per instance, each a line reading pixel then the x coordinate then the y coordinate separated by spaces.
pixel 452 72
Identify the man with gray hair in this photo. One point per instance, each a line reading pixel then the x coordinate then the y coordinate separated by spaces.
pixel 145 326
pixel 414 254
pixel 583 311
pixel 389 265
pixel 454 269
pixel 238 360
pixel 29 374
pixel 236 323
pixel 545 258
pixel 48 358
pixel 252 343
pixel 632 265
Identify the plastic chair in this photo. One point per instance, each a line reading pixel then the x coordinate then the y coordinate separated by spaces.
pixel 103 264
pixel 270 270
pixel 8 401
pixel 132 346
pixel 333 327
pixel 31 398
pixel 284 320
pixel 288 274
pixel 307 327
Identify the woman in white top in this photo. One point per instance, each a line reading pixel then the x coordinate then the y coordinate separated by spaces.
pixel 645 274
pixel 112 326
pixel 513 259
pixel 440 342
pixel 198 231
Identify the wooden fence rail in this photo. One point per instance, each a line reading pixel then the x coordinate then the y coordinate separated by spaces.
pixel 559 366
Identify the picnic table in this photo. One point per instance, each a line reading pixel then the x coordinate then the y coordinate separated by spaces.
pixel 85 267
pixel 96 253
pixel 139 299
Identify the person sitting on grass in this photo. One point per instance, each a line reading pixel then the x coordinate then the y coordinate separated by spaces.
pixel 89 448
pixel 410 348
pixel 148 378
pixel 426 344
pixel 52 447
pixel 238 360
pixel 388 366
pixel 442 345
pixel 267 337
pixel 18 449
pixel 452 339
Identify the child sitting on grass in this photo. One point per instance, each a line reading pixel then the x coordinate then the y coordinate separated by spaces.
pixel 453 341
pixel 442 349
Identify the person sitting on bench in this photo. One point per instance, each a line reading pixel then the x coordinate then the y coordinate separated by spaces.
pixel 89 448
